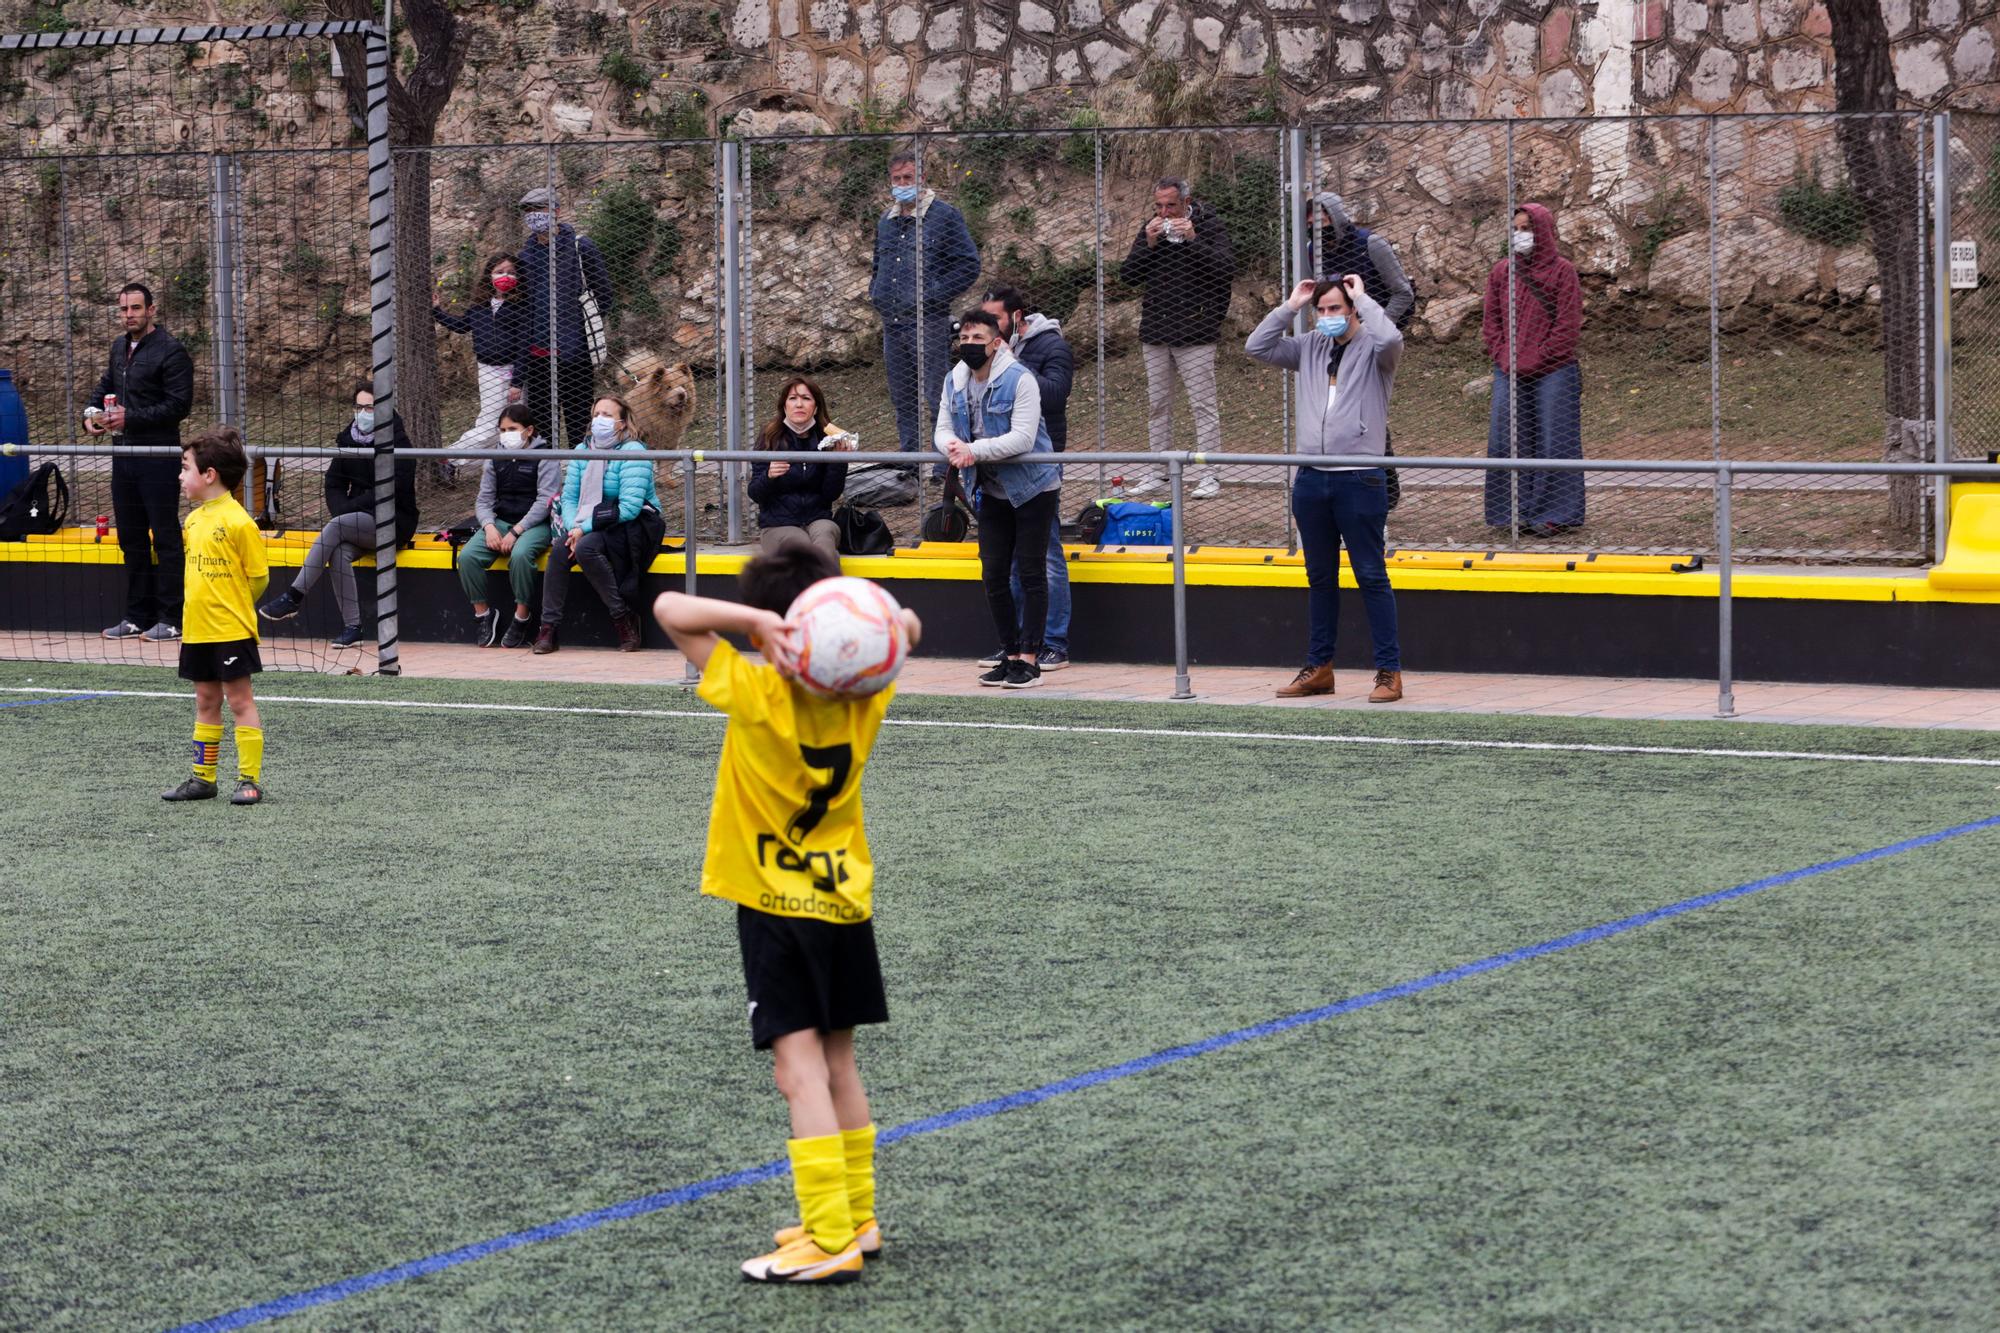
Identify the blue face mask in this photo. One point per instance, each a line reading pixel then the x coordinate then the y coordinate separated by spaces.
pixel 603 428
pixel 903 194
pixel 364 420
pixel 1332 325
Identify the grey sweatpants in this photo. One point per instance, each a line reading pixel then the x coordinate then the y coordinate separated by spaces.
pixel 337 544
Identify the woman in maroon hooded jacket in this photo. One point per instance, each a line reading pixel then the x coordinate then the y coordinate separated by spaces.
pixel 1538 409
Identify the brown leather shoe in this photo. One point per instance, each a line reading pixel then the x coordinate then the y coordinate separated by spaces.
pixel 628 632
pixel 545 639
pixel 1310 680
pixel 1388 687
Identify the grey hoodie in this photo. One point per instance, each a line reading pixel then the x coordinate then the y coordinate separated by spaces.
pixel 1360 419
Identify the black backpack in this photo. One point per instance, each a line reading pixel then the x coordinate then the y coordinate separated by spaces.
pixel 863 532
pixel 38 506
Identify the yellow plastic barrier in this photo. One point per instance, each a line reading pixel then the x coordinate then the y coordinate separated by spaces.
pixel 1972 551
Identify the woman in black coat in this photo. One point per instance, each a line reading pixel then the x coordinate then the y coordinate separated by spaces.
pixel 795 500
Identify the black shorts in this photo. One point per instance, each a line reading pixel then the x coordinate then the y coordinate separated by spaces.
pixel 220 661
pixel 804 974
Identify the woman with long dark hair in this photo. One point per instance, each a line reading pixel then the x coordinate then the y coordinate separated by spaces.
pixel 496 322
pixel 795 500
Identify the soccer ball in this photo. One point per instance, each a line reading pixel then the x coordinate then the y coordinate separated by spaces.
pixel 851 638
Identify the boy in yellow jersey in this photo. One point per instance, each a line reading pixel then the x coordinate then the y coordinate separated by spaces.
pixel 786 845
pixel 226 574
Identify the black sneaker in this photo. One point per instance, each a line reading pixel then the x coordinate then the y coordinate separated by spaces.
pixel 998 657
pixel 282 607
pixel 520 633
pixel 485 627
pixel 1052 660
pixel 1021 675
pixel 997 676
pixel 349 637
pixel 248 792
pixel 124 629
pixel 194 789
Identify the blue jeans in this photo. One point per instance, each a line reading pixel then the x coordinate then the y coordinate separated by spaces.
pixel 899 356
pixel 1548 423
pixel 1351 507
pixel 1056 635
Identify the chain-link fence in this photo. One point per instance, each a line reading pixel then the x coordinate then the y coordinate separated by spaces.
pixel 1974 173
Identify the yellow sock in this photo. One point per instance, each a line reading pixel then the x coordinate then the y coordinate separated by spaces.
pixel 207 749
pixel 819 1176
pixel 249 753
pixel 858 1146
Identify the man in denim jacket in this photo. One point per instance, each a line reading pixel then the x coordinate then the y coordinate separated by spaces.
pixel 949 264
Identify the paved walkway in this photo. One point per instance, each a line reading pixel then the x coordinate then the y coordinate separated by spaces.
pixel 1424 691
pixel 1442 692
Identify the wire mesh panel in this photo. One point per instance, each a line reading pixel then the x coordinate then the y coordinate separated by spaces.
pixel 121 174
pixel 1193 238
pixel 1975 313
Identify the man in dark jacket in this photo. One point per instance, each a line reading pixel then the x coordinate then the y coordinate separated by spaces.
pixel 1338 248
pixel 1182 262
pixel 1039 345
pixel 558 265
pixel 152 378
pixel 946 265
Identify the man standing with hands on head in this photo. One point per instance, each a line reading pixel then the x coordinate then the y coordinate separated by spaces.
pixel 1352 350
pixel 146 392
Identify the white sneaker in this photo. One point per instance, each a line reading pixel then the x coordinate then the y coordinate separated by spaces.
pixel 1141 486
pixel 1206 489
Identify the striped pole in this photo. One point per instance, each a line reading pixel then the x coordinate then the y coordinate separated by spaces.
pixel 382 324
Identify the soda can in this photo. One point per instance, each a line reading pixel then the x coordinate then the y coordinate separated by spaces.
pixel 103 526
pixel 110 401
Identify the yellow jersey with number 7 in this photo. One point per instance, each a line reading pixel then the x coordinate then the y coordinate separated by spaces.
pixel 785 833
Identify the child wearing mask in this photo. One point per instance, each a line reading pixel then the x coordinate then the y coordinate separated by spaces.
pixel 512 511
pixel 496 321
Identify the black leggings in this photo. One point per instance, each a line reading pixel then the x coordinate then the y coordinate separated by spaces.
pixel 1014 541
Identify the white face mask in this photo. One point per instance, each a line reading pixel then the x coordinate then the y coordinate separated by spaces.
pixel 512 439
pixel 1524 241
pixel 603 428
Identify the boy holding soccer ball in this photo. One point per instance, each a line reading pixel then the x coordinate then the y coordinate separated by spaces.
pixel 786 845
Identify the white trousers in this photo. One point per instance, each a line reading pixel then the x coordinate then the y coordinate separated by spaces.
pixel 484 433
pixel 1194 369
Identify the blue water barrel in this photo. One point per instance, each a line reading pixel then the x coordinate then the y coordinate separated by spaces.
pixel 13 430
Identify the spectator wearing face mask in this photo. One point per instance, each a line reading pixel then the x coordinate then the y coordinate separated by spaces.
pixel 1537 384
pixel 557 266
pixel 948 261
pixel 1339 247
pixel 512 511
pixel 350 531
pixel 496 320
pixel 599 498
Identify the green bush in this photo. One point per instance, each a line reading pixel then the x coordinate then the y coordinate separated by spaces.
pixel 621 68
pixel 1078 151
pixel 1246 198
pixel 622 224
pixel 1829 216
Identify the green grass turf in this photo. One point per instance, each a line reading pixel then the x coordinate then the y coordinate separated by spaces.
pixel 454 980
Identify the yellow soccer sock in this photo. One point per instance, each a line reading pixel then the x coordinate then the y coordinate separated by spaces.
pixel 819 1176
pixel 858 1146
pixel 207 749
pixel 249 753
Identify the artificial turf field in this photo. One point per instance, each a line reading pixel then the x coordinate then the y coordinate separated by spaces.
pixel 454 982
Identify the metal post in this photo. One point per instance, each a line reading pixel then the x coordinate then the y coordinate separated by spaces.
pixel 1714 306
pixel 721 180
pixel 69 307
pixel 688 546
pixel 1926 373
pixel 732 312
pixel 382 334
pixel 1181 689
pixel 745 289
pixel 1513 395
pixel 222 301
pixel 556 413
pixel 1725 672
pixel 1941 387
pixel 1298 210
pixel 924 430
pixel 1097 225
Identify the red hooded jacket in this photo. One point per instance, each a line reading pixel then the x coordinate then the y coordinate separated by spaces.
pixel 1548 303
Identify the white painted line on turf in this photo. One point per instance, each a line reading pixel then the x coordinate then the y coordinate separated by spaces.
pixel 1069 729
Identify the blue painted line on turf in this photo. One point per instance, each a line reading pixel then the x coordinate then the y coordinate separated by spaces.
pixel 701 1189
pixel 59 699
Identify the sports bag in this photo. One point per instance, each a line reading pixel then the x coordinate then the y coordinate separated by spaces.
pixel 862 532
pixel 1136 523
pixel 881 485
pixel 38 506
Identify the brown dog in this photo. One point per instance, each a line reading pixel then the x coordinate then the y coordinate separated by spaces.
pixel 662 399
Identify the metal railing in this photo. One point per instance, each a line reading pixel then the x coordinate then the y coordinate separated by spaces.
pixel 1722 475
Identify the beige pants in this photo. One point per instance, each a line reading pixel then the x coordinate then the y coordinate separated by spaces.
pixel 821 532
pixel 1194 368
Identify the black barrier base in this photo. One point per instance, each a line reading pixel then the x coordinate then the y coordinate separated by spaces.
pixel 1941 644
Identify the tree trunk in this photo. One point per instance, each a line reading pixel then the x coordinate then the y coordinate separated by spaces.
pixel 1882 169
pixel 418 403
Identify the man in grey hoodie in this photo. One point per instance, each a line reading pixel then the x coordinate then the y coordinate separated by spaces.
pixel 1353 350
